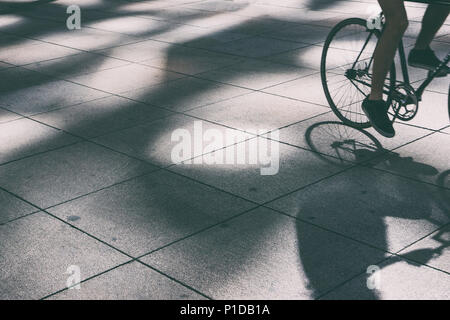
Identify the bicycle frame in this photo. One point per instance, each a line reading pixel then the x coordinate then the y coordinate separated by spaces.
pixel 431 75
pixel 404 68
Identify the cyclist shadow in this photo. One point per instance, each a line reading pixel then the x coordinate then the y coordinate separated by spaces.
pixel 364 204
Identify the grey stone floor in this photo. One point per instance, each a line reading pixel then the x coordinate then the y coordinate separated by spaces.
pixel 86 177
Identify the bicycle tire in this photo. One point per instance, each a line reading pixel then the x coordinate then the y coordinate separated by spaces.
pixel 354 116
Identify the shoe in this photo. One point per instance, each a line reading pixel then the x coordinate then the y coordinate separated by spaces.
pixel 377 112
pixel 426 59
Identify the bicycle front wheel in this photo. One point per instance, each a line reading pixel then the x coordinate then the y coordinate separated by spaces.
pixel 346 70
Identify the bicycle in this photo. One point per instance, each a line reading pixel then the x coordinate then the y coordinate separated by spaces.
pixel 345 71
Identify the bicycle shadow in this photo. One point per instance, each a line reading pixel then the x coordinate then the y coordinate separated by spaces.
pixel 367 205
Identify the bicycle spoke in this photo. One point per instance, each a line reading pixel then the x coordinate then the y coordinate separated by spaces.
pixel 346 69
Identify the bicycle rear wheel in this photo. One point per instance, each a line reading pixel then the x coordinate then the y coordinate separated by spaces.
pixel 346 70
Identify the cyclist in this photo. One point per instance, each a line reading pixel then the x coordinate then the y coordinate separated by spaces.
pixel 421 55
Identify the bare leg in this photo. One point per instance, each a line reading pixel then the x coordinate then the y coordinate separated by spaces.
pixel 433 19
pixel 396 24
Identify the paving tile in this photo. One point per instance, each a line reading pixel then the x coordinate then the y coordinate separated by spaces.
pixel 111 6
pixel 47 95
pixel 356 8
pixel 135 7
pixel 32 28
pixel 60 175
pixel 86 39
pixel 257 47
pixel 416 75
pixel 191 61
pixel 399 280
pixel 196 36
pixel 257 111
pixel 155 142
pixel 125 78
pixel 324 19
pixel 57 12
pixel 13 207
pixel 134 26
pixel 137 52
pixel 92 11
pixel 438 85
pixel 147 213
pixel 178 14
pixel 260 170
pixel 267 12
pixel 380 209
pixel 433 111
pixel 208 19
pixel 24 137
pixel 6 116
pixel 74 65
pixel 294 14
pixel 18 78
pixel 29 51
pixel 412 159
pixel 4 65
pixel 185 93
pixel 256 74
pixel 101 116
pixel 236 8
pixel 433 250
pixel 444 38
pixel 38 250
pixel 220 6
pixel 326 134
pixel 283 3
pixel 133 281
pixel 263 255
pixel 303 57
pixel 415 14
pixel 414 29
pixel 308 88
pixel 208 38
pixel 301 33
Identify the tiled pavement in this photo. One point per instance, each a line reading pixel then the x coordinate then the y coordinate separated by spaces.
pixel 87 178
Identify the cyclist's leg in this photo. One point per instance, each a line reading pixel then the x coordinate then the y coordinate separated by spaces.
pixel 373 106
pixel 396 24
pixel 432 21
pixel 422 56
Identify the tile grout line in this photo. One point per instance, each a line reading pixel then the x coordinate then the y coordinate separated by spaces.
pixel 169 170
pixel 193 234
pixel 44 211
pixel 87 279
pixel 393 256
pixel 319 297
pixel 219 189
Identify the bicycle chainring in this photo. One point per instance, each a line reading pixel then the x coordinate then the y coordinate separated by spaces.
pixel 404 103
